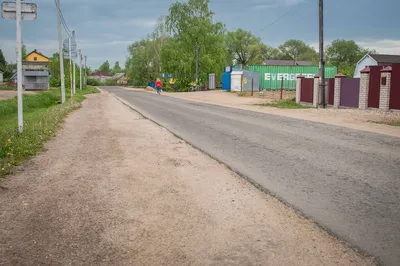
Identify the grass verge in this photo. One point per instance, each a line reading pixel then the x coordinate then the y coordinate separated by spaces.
pixel 286 104
pixel 42 117
pixel 7 87
pixel 393 123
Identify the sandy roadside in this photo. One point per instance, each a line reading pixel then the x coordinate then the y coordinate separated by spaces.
pixel 115 189
pixel 350 118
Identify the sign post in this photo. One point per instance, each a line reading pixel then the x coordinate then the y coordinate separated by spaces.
pixel 19 11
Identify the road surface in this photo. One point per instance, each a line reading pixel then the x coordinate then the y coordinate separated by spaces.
pixel 347 181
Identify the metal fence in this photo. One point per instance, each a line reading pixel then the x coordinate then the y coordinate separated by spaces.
pixel 36 86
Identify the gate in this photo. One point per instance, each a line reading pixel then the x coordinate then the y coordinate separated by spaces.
pixel 374 86
pixel 307 90
pixel 350 92
pixel 394 102
pixel 331 91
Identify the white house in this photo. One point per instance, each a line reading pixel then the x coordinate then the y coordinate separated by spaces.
pixel 375 60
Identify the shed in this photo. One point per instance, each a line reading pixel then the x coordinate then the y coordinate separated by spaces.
pixel 375 60
pixel 244 80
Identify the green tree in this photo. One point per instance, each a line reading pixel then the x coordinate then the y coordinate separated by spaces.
pixel 297 50
pixel 23 52
pixel 244 47
pixel 116 69
pixel 344 54
pixel 3 62
pixel 105 67
pixel 191 24
pixel 138 64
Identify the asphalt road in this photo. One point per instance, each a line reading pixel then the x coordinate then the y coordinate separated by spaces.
pixel 347 181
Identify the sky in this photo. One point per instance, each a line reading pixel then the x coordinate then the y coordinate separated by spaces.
pixel 105 28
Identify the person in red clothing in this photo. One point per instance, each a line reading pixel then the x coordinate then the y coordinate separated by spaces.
pixel 158 86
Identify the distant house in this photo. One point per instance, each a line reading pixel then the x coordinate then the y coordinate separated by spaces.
pixel 100 76
pixel 375 60
pixel 120 78
pixel 287 63
pixel 35 70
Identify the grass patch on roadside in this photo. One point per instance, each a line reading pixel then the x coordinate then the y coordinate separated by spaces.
pixel 7 87
pixel 393 123
pixel 42 117
pixel 286 104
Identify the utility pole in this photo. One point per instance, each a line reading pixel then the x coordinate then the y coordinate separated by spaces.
pixel 85 71
pixel 70 65
pixel 73 64
pixel 321 54
pixel 80 69
pixel 19 66
pixel 60 51
pixel 197 66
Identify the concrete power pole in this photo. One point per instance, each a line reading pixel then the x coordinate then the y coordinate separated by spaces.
pixel 321 54
pixel 70 66
pixel 197 66
pixel 85 71
pixel 73 72
pixel 80 69
pixel 60 51
pixel 19 66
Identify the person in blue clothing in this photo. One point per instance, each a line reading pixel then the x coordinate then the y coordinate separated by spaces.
pixel 159 86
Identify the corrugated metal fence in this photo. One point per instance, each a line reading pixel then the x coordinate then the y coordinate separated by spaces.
pixel 271 76
pixel 395 88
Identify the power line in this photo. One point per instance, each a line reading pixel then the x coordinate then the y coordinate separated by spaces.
pixel 285 15
pixel 65 26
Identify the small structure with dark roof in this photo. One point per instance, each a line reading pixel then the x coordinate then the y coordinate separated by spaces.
pixel 375 60
pixel 100 76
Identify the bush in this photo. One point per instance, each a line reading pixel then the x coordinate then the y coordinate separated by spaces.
pixel 93 82
pixel 110 82
pixel 54 82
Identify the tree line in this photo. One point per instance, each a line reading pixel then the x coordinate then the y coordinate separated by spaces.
pixel 171 48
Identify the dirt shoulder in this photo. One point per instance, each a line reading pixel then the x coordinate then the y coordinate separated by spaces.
pixel 115 189
pixel 350 118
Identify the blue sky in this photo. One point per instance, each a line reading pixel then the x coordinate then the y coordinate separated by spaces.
pixel 104 29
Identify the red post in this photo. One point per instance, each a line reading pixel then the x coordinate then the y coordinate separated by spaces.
pixel 282 88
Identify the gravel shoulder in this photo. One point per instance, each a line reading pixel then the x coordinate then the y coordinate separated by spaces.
pixel 115 189
pixel 350 118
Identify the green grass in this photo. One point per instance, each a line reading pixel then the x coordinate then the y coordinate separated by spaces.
pixel 394 122
pixel 286 104
pixel 7 88
pixel 42 117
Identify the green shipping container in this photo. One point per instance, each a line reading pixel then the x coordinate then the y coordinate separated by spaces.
pixel 271 76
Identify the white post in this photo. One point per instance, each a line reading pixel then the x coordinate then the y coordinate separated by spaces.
pixel 19 66
pixel 73 76
pixel 60 51
pixel 70 65
pixel 80 69
pixel 298 88
pixel 85 71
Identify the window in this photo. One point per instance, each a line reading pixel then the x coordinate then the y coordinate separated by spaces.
pixel 35 58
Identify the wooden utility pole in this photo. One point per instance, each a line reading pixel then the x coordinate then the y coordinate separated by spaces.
pixel 321 54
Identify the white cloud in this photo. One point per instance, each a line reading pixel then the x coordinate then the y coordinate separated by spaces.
pixel 143 22
pixel 274 3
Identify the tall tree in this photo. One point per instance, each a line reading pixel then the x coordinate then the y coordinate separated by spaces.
pixel 344 54
pixel 105 67
pixel 297 50
pixel 191 24
pixel 3 62
pixel 23 52
pixel 244 47
pixel 117 68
